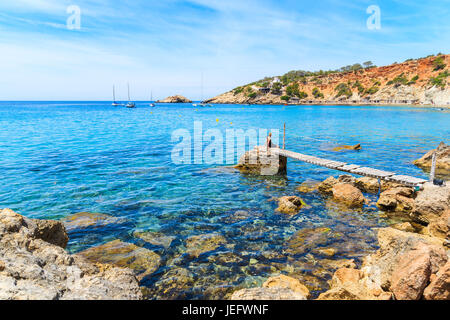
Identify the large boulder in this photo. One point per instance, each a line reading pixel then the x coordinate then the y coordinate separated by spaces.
pixel 371 185
pixel 290 205
pixel 351 284
pixel 348 194
pixel 402 268
pixel 404 262
pixel 412 273
pixel 283 281
pixel 440 227
pixel 397 199
pixel 261 162
pixel 326 186
pixel 431 202
pixel 34 266
pixel 439 288
pixel 442 158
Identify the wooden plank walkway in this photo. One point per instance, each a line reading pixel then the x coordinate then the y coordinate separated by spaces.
pixel 351 168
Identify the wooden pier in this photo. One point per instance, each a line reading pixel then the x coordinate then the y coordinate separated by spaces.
pixel 351 168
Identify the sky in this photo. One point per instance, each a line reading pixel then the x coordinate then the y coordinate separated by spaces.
pixel 167 47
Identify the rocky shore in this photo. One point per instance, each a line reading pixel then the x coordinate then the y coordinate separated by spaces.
pixel 412 261
pixel 35 266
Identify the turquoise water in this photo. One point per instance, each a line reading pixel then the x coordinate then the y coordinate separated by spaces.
pixel 61 158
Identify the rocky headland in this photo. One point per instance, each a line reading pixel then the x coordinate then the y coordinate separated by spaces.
pixel 422 81
pixel 175 99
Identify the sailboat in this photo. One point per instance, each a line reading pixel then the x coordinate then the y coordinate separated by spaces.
pixel 130 104
pixel 151 100
pixel 115 104
pixel 202 103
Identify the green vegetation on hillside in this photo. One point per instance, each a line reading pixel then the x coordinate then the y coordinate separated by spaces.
pixel 317 94
pixel 440 80
pixel 343 90
pixel 358 85
pixel 291 81
pixel 276 88
pixel 439 64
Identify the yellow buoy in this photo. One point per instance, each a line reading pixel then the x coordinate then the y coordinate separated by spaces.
pixel 217 120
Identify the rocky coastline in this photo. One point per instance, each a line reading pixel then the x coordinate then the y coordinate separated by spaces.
pixel 419 82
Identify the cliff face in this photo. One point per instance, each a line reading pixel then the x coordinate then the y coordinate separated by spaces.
pixel 422 81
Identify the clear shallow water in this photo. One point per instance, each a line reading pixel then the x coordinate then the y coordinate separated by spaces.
pixel 62 158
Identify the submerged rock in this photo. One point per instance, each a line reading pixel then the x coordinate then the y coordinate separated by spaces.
pixel 84 220
pixel 155 238
pixel 290 205
pixel 308 186
pixel 442 158
pixel 143 261
pixel 345 147
pixel 306 239
pixel 329 252
pixel 174 284
pixel 197 245
pixel 348 195
pixel 32 268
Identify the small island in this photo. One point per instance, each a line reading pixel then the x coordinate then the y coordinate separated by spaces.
pixel 175 99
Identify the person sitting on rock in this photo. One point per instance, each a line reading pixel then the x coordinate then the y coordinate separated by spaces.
pixel 269 143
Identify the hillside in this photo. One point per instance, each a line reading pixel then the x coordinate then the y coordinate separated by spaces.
pixel 423 81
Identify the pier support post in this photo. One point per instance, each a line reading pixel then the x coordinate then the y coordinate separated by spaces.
pixel 433 167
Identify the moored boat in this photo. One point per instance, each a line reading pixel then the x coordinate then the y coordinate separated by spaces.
pixel 130 104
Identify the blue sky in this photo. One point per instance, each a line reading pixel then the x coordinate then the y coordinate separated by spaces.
pixel 165 46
